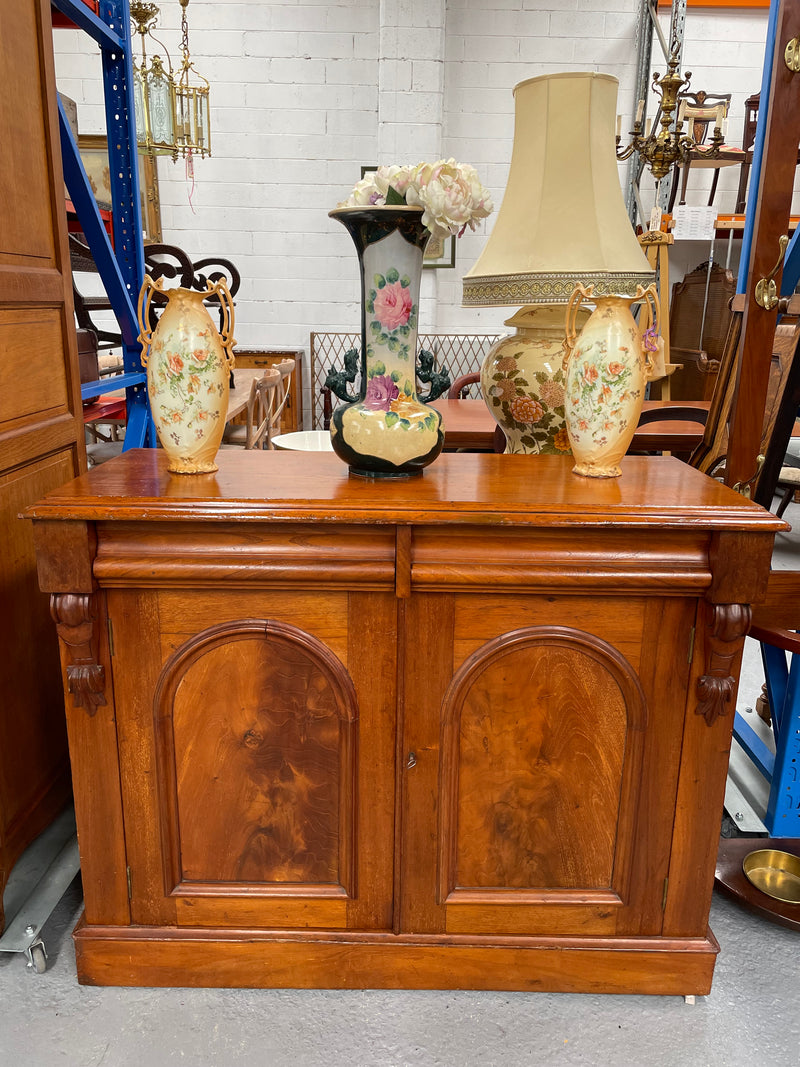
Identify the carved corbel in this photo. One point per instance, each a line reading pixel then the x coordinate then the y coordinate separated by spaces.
pixel 74 615
pixel 727 629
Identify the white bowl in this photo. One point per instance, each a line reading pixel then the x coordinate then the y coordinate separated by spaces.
pixel 304 441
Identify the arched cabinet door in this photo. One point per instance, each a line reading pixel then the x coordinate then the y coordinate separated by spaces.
pixel 258 782
pixel 548 733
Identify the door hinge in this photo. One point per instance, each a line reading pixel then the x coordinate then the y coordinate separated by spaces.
pixel 130 885
pixel 664 897
pixel 691 646
pixel 110 636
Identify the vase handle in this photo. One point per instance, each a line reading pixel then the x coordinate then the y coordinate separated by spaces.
pixel 650 333
pixel 579 294
pixel 146 294
pixel 223 293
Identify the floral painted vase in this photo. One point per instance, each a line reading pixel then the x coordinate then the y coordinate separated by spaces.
pixel 523 380
pixel 188 369
pixel 387 430
pixel 607 369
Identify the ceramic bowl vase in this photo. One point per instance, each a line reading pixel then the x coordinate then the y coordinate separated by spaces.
pixel 188 363
pixel 523 381
pixel 607 369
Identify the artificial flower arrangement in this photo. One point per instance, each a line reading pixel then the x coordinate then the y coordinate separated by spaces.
pixel 450 194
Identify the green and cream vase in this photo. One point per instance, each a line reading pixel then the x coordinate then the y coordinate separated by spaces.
pixel 607 368
pixel 387 430
pixel 188 363
pixel 523 381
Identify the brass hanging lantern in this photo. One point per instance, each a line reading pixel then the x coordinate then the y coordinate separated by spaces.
pixel 192 118
pixel 172 110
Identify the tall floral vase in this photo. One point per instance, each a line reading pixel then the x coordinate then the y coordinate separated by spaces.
pixel 387 430
pixel 188 370
pixel 607 367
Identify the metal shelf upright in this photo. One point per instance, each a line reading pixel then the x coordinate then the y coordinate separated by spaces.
pixel 121 267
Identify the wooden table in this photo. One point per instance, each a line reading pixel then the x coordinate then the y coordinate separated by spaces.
pixel 468 424
pixel 238 396
pixel 260 802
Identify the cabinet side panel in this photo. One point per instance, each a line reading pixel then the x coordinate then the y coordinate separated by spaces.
pixel 94 755
pixel 704 764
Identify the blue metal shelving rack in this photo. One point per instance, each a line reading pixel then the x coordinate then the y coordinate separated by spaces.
pixel 121 267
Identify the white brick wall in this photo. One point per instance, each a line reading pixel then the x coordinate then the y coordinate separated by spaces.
pixel 305 93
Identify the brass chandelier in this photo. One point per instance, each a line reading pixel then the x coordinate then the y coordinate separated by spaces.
pixel 172 113
pixel 661 150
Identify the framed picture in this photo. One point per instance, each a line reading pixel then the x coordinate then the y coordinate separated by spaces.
pixel 93 150
pixel 438 252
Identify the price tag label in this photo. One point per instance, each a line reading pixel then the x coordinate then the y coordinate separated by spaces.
pixel 655 219
pixel 694 223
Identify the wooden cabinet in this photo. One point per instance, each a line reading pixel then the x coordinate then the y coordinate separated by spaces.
pixel 292 417
pixel 465 730
pixel 41 424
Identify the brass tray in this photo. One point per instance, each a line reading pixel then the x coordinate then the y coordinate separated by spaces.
pixel 775 873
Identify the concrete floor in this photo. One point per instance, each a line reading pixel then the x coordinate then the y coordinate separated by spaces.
pixel 751 1018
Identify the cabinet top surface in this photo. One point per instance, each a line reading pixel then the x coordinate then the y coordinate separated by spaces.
pixel 470 488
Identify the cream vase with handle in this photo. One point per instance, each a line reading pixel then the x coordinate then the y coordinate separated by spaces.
pixel 188 369
pixel 607 368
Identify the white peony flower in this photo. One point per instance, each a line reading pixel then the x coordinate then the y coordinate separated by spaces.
pixel 365 193
pixel 450 193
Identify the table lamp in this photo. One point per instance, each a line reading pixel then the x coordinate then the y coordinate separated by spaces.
pixel 562 222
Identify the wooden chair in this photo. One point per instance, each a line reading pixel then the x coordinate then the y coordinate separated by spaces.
pixel 460 387
pixel 161 261
pixel 699 110
pixel 781 409
pixel 284 369
pixel 748 140
pixel 699 321
pixel 254 433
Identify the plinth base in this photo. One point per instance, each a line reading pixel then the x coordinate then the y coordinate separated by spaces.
pixel 297 959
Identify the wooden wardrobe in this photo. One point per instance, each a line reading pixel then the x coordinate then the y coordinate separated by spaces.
pixel 41 428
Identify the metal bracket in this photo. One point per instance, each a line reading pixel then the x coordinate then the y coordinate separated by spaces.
pixel 766 294
pixel 792 55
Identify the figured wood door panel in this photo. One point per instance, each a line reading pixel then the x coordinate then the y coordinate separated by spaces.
pixel 547 731
pixel 256 735
pixel 534 746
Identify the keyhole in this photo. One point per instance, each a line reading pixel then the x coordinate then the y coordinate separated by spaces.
pixel 412 760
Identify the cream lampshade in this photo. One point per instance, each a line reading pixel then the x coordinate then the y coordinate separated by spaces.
pixel 562 222
pixel 563 218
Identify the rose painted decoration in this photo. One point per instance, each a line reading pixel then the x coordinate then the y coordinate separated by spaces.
pixel 450 194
